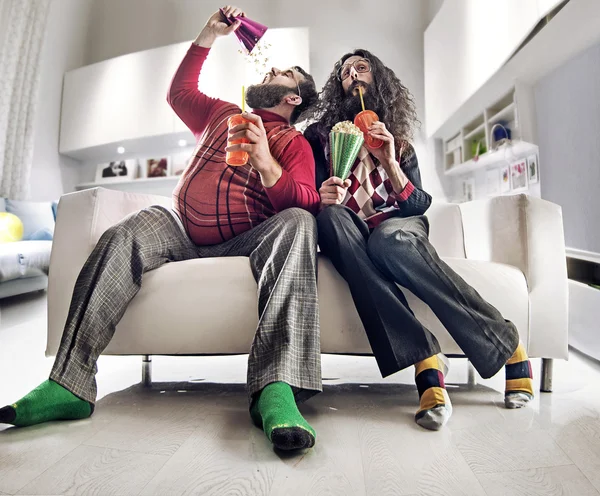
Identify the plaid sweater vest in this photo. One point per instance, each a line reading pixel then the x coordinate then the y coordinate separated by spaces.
pixel 216 202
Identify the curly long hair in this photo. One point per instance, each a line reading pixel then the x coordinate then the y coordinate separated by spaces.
pixel 391 100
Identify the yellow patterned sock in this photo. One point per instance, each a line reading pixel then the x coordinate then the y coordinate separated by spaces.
pixel 519 379
pixel 435 407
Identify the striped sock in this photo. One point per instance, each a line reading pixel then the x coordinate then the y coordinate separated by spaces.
pixel 519 379
pixel 435 407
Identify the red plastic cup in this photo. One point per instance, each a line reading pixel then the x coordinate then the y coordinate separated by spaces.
pixel 363 121
pixel 236 158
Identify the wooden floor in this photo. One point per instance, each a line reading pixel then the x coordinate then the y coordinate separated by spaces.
pixel 195 438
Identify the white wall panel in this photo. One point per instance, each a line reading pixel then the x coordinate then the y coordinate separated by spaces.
pixel 123 100
pixel 465 44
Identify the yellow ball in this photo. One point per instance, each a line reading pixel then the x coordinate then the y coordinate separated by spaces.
pixel 11 228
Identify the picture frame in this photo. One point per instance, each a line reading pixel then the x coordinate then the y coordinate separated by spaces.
pixel 117 170
pixel 533 169
pixel 505 179
pixel 155 167
pixel 518 175
pixel 179 162
pixel 469 189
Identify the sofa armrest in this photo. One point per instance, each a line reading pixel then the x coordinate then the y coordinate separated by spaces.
pixel 527 233
pixel 82 218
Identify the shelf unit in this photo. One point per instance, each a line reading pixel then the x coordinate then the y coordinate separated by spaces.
pixel 500 156
pixel 461 148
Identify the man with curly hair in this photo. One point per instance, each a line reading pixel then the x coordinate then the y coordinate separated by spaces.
pixel 373 228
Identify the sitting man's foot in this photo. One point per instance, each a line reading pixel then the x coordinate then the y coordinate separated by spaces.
pixel 275 411
pixel 519 379
pixel 435 407
pixel 49 401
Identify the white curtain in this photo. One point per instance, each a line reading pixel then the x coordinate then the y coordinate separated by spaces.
pixel 22 30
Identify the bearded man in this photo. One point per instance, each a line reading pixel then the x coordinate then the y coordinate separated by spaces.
pixel 374 229
pixel 263 211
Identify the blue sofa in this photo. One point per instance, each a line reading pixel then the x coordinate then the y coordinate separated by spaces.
pixel 24 264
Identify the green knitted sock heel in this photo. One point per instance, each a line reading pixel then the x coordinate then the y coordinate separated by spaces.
pixel 49 401
pixel 276 412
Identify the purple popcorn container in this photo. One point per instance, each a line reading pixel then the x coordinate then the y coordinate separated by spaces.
pixel 249 32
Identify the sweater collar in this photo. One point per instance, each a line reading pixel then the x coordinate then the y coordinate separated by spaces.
pixel 267 116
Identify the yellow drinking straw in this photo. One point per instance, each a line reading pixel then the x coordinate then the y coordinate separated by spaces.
pixel 361 98
pixel 243 99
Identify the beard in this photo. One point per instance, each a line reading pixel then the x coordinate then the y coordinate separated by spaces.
pixel 351 105
pixel 263 96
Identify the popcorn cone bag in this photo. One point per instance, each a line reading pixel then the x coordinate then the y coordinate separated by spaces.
pixel 345 140
pixel 249 32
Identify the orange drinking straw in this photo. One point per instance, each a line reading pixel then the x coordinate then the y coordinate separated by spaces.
pixel 361 98
pixel 243 99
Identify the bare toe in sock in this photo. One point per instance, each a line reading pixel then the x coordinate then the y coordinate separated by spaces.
pixel 516 399
pixel 435 418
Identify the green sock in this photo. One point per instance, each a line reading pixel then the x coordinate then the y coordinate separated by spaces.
pixel 49 401
pixel 276 412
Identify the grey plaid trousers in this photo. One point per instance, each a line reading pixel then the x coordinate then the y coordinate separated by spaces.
pixel 282 252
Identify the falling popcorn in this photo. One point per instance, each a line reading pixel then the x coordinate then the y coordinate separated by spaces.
pixel 259 56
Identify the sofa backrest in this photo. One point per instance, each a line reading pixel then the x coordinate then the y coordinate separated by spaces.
pixel 446 229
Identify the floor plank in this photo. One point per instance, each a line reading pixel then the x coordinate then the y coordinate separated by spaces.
pixel 401 458
pixel 226 455
pixel 25 453
pixel 580 440
pixel 94 471
pixel 565 480
pixel 334 465
pixel 503 447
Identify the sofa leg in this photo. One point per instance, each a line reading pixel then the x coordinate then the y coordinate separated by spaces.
pixel 147 370
pixel 546 379
pixel 471 377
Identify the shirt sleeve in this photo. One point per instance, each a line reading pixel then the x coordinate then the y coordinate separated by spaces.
pixel 412 200
pixel 296 186
pixel 192 106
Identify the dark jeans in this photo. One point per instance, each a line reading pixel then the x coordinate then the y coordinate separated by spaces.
pixel 398 251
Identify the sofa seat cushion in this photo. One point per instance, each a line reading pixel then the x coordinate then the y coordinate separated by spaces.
pixel 209 306
pixel 24 259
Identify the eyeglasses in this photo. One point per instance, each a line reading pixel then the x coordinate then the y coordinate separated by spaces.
pixel 360 66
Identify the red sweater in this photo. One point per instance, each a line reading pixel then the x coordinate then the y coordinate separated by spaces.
pixel 217 202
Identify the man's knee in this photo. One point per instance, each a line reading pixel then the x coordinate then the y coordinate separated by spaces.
pixel 133 224
pixel 388 241
pixel 333 214
pixel 298 219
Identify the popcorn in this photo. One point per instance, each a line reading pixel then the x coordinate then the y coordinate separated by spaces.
pixel 345 141
pixel 346 127
pixel 257 57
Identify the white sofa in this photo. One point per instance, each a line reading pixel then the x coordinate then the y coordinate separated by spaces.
pixel 510 249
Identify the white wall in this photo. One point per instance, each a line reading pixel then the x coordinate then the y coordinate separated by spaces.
pixel 64 49
pixel 392 29
pixel 568 115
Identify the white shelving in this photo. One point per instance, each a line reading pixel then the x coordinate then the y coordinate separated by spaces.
pixel 507 112
pixel 479 132
pixel 501 156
